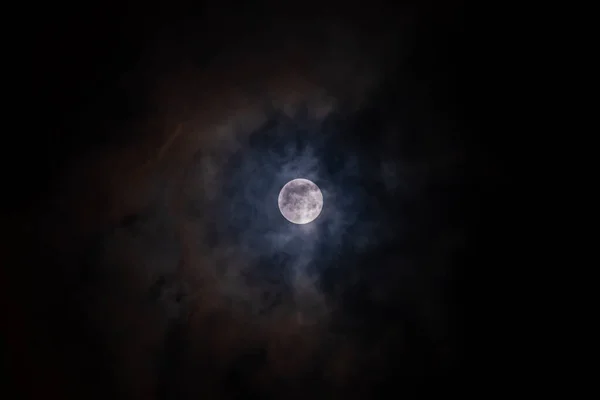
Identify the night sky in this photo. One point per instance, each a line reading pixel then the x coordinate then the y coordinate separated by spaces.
pixel 146 256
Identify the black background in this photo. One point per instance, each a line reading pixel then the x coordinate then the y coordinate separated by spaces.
pixel 79 77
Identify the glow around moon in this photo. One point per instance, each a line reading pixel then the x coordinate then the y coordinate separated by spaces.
pixel 300 201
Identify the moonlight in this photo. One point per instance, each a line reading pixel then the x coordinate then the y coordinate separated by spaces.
pixel 300 201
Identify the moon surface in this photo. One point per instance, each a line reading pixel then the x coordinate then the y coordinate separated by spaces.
pixel 300 201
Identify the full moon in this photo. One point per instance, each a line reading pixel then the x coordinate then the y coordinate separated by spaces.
pixel 300 201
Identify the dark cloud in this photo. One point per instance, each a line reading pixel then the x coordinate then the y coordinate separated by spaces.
pixel 177 275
